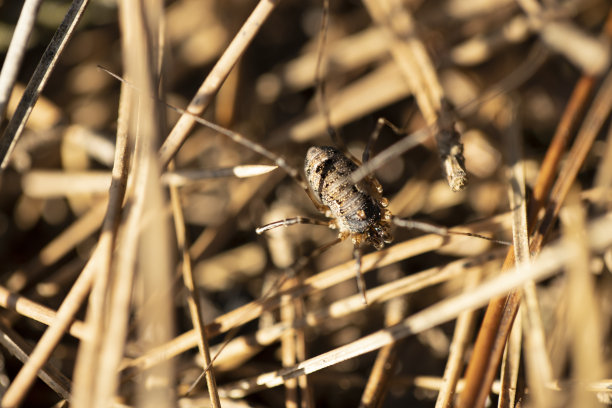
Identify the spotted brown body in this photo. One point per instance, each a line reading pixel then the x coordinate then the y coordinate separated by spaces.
pixel 358 210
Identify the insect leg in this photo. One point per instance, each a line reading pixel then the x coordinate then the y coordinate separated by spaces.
pixel 320 86
pixel 361 286
pixel 257 148
pixel 443 231
pixel 301 263
pixel 235 136
pixel 390 152
pixel 374 136
pixel 419 225
pixel 291 221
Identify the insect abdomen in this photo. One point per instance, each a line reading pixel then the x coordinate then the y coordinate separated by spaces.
pixel 352 205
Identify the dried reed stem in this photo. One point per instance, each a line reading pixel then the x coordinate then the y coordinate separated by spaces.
pixel 88 362
pixel 215 78
pixel 384 367
pixel 16 50
pixel 35 311
pixel 21 349
pixel 583 317
pixel 193 297
pixel 39 80
pixel 459 345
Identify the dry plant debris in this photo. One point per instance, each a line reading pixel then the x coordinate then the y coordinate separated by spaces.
pixel 131 272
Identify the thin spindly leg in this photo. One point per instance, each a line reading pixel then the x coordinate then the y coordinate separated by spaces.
pixel 301 263
pixel 291 221
pixel 374 136
pixel 359 275
pixel 443 231
pixel 320 86
pixel 239 139
pixel 270 293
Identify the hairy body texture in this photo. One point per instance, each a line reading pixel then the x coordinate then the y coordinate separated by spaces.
pixel 359 210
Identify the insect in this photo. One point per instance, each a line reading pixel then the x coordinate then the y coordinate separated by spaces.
pixel 357 210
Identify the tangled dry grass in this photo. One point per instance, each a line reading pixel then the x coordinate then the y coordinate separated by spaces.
pixel 129 254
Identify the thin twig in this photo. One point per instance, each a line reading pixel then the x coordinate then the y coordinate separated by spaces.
pixel 67 240
pixel 193 297
pixel 18 347
pixel 517 202
pixel 384 367
pixel 88 356
pixel 145 251
pixel 35 311
pixel 215 78
pixel 39 80
pixel 16 50
pixel 459 345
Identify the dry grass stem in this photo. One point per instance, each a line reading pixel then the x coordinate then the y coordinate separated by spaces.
pixel 180 178
pixel 361 97
pixel 39 80
pixel 483 365
pixel 509 392
pixel 538 362
pixel 132 311
pixel 194 297
pixel 410 54
pixel 461 337
pixel 480 48
pixel 384 367
pixel 245 193
pixel 95 144
pixel 52 184
pixel 18 347
pixel 585 341
pixel 600 110
pixel 215 78
pixel 36 311
pixel 16 51
pixel 82 228
pixel 337 309
pixel 88 357
pixel 341 273
pixel 146 251
pixel 343 55
pixel 603 179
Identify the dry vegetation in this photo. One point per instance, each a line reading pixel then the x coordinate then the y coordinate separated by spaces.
pixel 130 259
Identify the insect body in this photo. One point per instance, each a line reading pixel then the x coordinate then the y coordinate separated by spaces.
pixel 358 210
